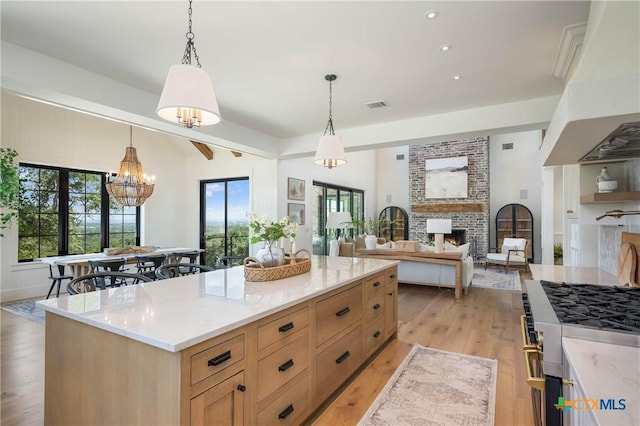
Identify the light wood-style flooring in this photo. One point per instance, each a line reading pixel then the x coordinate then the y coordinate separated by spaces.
pixel 484 323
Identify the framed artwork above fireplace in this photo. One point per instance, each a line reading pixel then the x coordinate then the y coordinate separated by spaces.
pixel 446 177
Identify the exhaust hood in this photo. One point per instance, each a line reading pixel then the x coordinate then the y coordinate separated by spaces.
pixel 598 115
pixel 622 143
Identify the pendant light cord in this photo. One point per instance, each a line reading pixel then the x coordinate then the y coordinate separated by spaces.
pixel 191 46
pixel 330 78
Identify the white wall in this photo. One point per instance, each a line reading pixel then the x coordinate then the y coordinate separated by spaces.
pixel 393 178
pixel 359 173
pixel 44 134
pixel 512 172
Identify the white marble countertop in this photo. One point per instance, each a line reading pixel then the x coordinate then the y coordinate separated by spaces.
pixel 178 313
pixel 606 371
pixel 572 274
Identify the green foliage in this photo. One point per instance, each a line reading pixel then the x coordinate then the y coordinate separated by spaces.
pixel 263 229
pixel 371 226
pixel 557 250
pixel 9 187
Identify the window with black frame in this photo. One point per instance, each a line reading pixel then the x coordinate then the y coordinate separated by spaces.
pixel 67 211
pixel 326 199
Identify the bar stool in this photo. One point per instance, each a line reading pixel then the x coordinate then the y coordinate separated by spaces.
pixel 57 279
pixel 147 265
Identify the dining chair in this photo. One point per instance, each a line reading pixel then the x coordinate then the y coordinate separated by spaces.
pixel 191 255
pixel 101 280
pixel 57 279
pixel 226 262
pixel 173 270
pixel 108 265
pixel 147 265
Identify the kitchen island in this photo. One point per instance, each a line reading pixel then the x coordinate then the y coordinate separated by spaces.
pixel 213 348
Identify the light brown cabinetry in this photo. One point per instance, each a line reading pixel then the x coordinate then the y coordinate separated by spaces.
pixel 214 381
pixel 275 370
pixel 283 367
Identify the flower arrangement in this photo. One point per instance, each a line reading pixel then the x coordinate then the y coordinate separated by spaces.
pixel 263 229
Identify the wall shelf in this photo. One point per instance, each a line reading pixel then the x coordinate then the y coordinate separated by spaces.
pixel 610 197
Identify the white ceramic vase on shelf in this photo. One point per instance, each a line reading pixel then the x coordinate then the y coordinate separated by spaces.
pixel 370 242
pixel 270 255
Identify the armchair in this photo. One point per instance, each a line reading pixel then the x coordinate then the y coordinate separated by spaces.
pixel 512 253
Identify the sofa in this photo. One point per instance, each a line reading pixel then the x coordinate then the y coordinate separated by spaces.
pixel 451 268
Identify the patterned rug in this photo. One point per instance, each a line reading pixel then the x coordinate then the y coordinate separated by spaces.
pixel 26 309
pixel 496 279
pixel 433 387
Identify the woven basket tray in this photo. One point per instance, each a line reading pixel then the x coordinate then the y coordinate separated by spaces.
pixel 256 271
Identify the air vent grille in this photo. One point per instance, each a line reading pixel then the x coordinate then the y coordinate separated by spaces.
pixel 377 104
pixel 506 146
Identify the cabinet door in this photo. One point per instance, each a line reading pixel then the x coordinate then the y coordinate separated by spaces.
pixel 222 404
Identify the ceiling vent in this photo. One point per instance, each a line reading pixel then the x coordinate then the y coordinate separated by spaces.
pixel 377 104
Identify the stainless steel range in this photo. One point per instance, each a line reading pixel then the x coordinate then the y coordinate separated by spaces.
pixel 583 311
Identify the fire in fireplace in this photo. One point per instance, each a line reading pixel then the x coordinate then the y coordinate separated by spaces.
pixel 456 237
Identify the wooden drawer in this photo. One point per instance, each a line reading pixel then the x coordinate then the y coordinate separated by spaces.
pixel 281 366
pixel 337 312
pixel 374 335
pixel 216 358
pixel 374 307
pixel 338 361
pixel 374 285
pixel 283 327
pixel 290 407
pixel 392 275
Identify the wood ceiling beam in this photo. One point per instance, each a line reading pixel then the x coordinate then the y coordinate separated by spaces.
pixel 204 149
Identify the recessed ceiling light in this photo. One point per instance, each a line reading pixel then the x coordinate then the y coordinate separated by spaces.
pixel 445 47
pixel 457 77
pixel 431 14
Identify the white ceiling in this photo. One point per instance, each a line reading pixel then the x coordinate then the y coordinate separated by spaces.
pixel 267 60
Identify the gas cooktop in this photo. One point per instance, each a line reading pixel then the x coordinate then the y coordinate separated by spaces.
pixel 601 307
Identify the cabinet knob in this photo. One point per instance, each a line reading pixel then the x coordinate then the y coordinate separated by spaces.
pixel 569 211
pixel 242 388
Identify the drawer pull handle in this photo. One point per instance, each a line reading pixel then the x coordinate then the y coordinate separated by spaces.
pixel 342 312
pixel 390 294
pixel 287 365
pixel 376 284
pixel 376 306
pixel 219 359
pixel 343 357
pixel 286 412
pixel 376 334
pixel 285 328
pixel 242 388
pixel 392 276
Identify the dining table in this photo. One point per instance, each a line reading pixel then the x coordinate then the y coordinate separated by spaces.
pixel 79 265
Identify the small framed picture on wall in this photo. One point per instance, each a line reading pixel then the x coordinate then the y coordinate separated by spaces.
pixel 296 189
pixel 295 211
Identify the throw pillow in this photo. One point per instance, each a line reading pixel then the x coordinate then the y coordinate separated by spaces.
pixel 450 247
pixel 384 246
pixel 506 248
pixel 425 247
pixel 359 240
pixel 465 250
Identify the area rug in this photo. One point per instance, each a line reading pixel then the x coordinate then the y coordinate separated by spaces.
pixel 433 387
pixel 26 309
pixel 496 279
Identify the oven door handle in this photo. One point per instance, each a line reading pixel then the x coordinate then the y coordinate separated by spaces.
pixel 530 352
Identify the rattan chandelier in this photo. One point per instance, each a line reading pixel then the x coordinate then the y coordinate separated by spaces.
pixel 131 186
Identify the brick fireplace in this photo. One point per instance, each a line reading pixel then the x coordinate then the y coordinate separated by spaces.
pixel 470 214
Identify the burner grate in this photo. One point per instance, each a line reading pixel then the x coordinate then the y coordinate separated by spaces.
pixel 607 308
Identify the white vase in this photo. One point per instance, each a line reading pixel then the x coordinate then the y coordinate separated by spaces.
pixel 370 242
pixel 270 255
